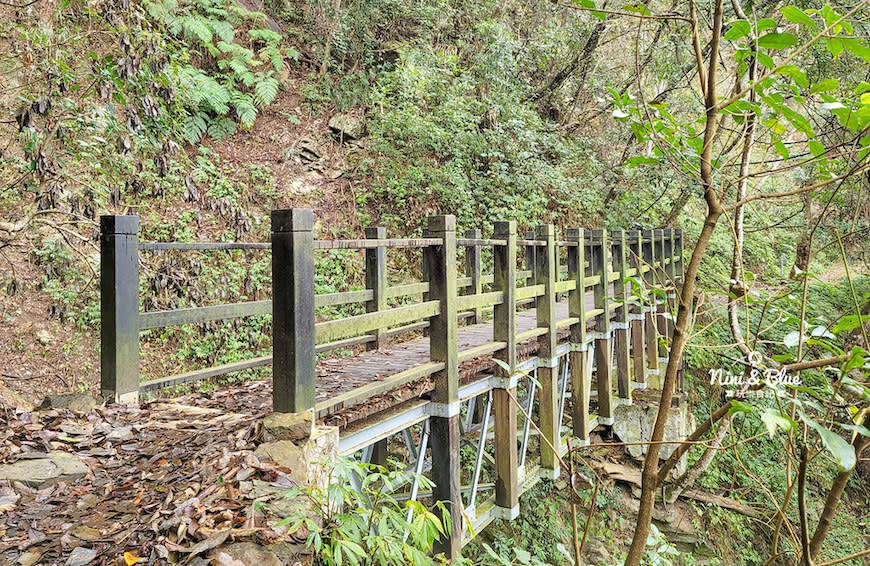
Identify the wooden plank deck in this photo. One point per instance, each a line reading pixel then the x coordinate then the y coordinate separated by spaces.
pixel 340 377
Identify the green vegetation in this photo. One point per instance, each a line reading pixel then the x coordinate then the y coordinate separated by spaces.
pixel 197 116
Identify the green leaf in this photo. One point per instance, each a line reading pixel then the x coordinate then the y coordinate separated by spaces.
pixel 792 339
pixel 849 322
pixel 766 60
pixel 740 407
pixel 642 160
pixel 842 452
pixel 774 420
pixel 835 46
pixel 798 16
pixel 796 74
pixel 775 40
pixel 862 430
pixel 857 48
pixel 265 91
pixel 816 148
pixel 826 85
pixel 781 149
pixel 765 24
pixel 856 360
pixel 523 556
pixel 737 30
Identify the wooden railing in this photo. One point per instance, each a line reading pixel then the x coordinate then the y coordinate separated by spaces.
pixel 632 277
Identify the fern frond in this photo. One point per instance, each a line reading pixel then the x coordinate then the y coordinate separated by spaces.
pixel 223 29
pixel 245 109
pixel 221 127
pixel 266 35
pixel 195 27
pixel 194 126
pixel 265 90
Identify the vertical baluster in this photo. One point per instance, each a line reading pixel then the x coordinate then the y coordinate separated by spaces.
pixel 119 308
pixel 548 373
pixel 292 310
pixel 620 317
pixel 472 270
pixel 531 265
pixel 678 274
pixel 661 299
pixel 652 336
pixel 376 281
pixel 444 422
pixel 505 330
pixel 600 263
pixel 579 352
pixel 637 316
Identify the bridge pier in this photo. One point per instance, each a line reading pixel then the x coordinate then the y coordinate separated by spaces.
pixel 443 348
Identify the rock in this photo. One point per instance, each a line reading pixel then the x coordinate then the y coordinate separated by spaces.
pixel 87 501
pixel 300 187
pixel 28 558
pixel 81 556
pixel 120 434
pixel 76 402
pixel 305 459
pixel 634 423
pixel 348 126
pixel 56 466
pixel 8 502
pixel 245 554
pixel 44 337
pixel 288 426
pixel 595 552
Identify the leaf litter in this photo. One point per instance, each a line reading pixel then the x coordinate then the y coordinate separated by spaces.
pixel 169 483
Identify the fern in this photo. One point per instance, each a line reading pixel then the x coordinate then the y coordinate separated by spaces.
pixel 243 80
pixel 245 109
pixel 221 127
pixel 194 126
pixel 266 35
pixel 266 89
pixel 224 30
pixel 196 27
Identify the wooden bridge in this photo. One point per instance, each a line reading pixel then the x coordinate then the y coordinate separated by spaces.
pixel 572 324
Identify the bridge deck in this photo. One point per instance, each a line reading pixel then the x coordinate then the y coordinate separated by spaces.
pixel 345 382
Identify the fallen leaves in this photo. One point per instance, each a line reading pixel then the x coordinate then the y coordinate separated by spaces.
pixel 168 484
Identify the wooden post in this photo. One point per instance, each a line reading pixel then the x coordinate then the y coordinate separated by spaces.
pixel 679 281
pixel 504 329
pixel 671 294
pixel 119 308
pixel 661 299
pixel 620 317
pixel 548 368
pixel 472 270
pixel 531 265
pixel 292 310
pixel 376 281
pixel 638 344
pixel 380 452
pixel 579 348
pixel 444 420
pixel 652 339
pixel 600 263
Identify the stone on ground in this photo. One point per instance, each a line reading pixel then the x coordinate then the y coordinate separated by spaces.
pixel 347 126
pixel 55 466
pixel 634 424
pixel 80 556
pixel 76 402
pixel 245 554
